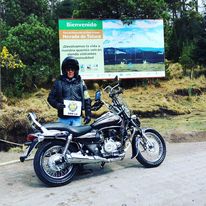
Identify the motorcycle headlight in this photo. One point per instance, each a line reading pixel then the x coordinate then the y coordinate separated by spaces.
pixel 134 117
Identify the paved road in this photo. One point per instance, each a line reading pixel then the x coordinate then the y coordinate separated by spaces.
pixel 180 180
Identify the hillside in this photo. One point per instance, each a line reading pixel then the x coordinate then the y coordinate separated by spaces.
pixel 170 106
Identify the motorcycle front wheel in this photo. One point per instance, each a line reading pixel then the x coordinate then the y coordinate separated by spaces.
pixel 151 149
pixel 49 165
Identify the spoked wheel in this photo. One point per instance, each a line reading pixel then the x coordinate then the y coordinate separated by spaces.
pixel 152 149
pixel 50 166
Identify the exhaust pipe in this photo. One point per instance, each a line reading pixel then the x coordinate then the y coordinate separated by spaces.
pixel 78 158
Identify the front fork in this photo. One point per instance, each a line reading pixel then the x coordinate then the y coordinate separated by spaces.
pixel 136 135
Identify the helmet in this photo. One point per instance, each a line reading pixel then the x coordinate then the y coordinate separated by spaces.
pixel 70 62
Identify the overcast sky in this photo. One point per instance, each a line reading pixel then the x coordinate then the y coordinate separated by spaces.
pixel 200 5
pixel 141 33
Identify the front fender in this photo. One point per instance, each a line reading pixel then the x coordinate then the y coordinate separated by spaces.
pixel 135 143
pixel 136 140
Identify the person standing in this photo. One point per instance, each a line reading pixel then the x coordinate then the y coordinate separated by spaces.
pixel 69 95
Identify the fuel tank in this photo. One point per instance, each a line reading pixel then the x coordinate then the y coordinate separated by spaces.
pixel 107 120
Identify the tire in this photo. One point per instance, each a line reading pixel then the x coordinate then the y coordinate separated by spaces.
pixel 154 155
pixel 50 168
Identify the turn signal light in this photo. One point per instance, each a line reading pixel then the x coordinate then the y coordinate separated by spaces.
pixel 30 137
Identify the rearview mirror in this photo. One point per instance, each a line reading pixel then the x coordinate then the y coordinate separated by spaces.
pixel 98 95
pixel 116 78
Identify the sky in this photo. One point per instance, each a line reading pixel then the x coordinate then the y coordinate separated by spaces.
pixel 141 33
pixel 200 6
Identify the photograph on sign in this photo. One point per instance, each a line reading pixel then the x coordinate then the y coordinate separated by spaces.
pixel 106 48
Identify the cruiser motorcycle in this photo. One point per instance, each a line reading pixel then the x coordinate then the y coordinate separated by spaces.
pixel 61 149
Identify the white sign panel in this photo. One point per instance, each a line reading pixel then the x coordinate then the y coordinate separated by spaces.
pixel 106 48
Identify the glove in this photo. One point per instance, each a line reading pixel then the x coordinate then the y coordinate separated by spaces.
pixel 97 105
pixel 60 106
pixel 87 119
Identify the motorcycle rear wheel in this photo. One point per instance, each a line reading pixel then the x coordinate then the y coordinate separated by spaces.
pixel 152 149
pixel 49 166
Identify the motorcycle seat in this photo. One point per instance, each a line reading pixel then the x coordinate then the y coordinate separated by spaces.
pixel 75 130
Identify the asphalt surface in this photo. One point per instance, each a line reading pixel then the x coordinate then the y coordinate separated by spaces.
pixel 180 180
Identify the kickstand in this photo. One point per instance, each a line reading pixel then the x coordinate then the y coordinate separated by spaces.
pixel 102 165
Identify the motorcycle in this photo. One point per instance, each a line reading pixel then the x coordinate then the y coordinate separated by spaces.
pixel 61 149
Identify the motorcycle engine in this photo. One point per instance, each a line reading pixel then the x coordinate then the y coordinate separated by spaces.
pixel 110 146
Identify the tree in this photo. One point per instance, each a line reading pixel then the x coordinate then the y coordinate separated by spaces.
pixel 186 56
pixel 200 47
pixel 119 9
pixel 3 31
pixel 34 42
pixel 185 27
pixel 151 9
pixel 18 11
pixel 61 9
pixel 2 9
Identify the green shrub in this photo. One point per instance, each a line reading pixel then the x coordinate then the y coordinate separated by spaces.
pixel 186 59
pixel 35 43
pixel 11 73
pixel 174 70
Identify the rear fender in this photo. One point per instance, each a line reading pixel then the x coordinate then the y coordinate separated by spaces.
pixel 27 152
pixel 73 144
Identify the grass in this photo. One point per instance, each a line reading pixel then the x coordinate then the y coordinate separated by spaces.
pixel 151 99
pixel 195 121
pixel 134 67
pixel 182 128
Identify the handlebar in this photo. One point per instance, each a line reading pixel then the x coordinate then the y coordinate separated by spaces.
pixel 113 90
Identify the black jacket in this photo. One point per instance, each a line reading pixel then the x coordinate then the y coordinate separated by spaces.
pixel 73 89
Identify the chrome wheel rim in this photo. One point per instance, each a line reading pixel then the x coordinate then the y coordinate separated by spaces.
pixel 151 150
pixel 53 164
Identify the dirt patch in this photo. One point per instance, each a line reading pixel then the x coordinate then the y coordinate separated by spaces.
pixel 160 112
pixel 177 137
pixel 190 91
